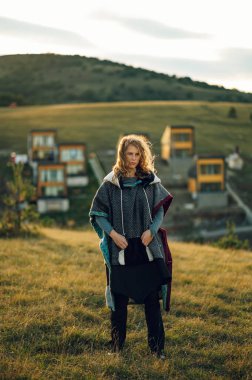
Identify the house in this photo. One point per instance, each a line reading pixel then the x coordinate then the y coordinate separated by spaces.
pixel 52 187
pixel 41 145
pixel 75 157
pixel 13 105
pixel 177 150
pixel 207 181
pixel 177 141
pixel 234 159
pixel 21 158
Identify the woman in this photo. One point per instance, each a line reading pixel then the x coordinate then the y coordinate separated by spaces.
pixel 127 212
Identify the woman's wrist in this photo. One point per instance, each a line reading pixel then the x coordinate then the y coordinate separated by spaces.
pixel 112 233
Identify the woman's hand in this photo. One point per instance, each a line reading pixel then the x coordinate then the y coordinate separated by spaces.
pixel 146 237
pixel 119 240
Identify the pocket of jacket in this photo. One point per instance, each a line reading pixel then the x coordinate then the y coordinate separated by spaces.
pixel 121 257
pixel 149 254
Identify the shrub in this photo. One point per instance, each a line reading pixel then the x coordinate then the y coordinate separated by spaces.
pixel 17 214
pixel 231 240
pixel 232 113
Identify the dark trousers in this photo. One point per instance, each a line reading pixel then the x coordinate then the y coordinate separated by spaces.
pixel 156 334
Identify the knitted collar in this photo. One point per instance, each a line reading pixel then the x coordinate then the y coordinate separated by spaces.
pixel 149 179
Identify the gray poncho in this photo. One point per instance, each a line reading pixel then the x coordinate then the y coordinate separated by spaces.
pixel 130 212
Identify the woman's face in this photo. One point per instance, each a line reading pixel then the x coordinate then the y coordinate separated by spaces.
pixel 132 157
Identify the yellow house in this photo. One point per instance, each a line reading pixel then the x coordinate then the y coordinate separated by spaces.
pixel 41 145
pixel 207 178
pixel 177 141
pixel 52 187
pixel 208 175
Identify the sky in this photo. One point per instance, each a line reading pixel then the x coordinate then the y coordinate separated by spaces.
pixel 207 40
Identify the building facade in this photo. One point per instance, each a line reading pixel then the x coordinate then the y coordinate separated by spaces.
pixel 207 181
pixel 177 150
pixel 52 187
pixel 75 157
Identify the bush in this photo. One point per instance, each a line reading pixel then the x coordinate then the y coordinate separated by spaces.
pixel 232 113
pixel 18 214
pixel 7 98
pixel 46 221
pixel 231 240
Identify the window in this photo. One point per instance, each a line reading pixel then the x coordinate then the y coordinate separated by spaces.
pixel 43 155
pixel 75 154
pixel 181 137
pixel 43 141
pixel 74 169
pixel 52 191
pixel 182 153
pixel 52 175
pixel 210 187
pixel 210 169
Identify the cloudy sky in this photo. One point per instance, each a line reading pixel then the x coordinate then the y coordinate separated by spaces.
pixel 208 40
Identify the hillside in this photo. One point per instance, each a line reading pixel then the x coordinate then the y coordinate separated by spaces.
pixel 56 325
pixel 100 124
pixel 52 79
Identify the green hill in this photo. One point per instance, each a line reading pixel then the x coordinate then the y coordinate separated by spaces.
pixel 50 78
pixel 100 124
pixel 55 324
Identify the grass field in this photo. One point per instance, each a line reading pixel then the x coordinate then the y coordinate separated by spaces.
pixel 55 324
pixel 99 125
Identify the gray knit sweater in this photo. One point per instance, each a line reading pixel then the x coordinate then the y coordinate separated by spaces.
pixel 130 210
pixel 155 224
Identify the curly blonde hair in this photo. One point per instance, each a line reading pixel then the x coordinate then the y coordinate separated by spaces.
pixel 146 162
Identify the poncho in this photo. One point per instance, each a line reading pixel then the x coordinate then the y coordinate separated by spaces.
pixel 130 213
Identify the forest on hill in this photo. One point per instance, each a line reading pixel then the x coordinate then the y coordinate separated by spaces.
pixel 29 79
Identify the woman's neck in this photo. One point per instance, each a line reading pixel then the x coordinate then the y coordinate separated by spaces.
pixel 131 173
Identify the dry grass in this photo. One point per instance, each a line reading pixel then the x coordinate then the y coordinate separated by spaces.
pixel 56 324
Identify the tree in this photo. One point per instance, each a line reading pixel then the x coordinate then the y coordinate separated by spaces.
pixel 232 113
pixel 7 98
pixel 17 211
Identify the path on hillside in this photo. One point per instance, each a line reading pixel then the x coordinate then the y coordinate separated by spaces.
pixel 240 203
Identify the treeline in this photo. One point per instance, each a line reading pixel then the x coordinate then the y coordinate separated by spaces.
pixel 50 78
